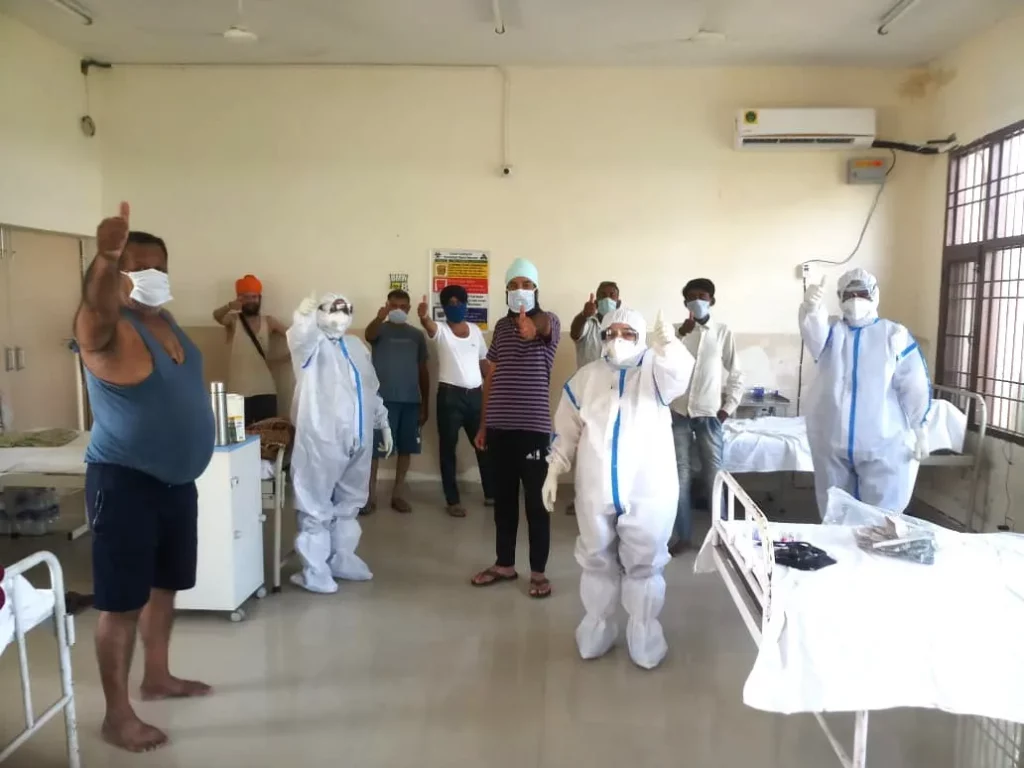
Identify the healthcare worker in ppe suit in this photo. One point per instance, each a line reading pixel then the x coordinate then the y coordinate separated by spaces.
pixel 869 403
pixel 336 409
pixel 614 418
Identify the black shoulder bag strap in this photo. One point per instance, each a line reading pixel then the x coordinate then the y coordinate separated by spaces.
pixel 252 337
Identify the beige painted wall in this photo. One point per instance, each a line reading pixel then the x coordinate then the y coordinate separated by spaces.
pixel 332 178
pixel 985 93
pixel 49 171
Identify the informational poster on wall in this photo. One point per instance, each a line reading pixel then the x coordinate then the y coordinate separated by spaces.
pixel 398 281
pixel 470 269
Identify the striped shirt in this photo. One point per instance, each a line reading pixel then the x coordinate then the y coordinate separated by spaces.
pixel 520 385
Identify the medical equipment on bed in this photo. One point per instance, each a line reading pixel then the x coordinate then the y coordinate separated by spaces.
pixel 25 609
pixel 843 639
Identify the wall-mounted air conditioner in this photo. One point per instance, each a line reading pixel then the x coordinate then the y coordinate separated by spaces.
pixel 805 128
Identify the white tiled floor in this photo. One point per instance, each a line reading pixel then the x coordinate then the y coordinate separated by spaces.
pixel 419 669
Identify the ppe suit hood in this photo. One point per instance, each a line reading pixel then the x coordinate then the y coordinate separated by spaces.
pixel 859 279
pixel 333 324
pixel 634 320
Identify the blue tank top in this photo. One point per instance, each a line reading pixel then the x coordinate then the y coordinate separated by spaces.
pixel 163 425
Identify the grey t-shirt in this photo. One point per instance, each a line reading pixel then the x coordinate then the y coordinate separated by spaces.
pixel 398 351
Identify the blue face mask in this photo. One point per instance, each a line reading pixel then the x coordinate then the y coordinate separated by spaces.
pixel 455 313
pixel 523 298
pixel 604 306
pixel 397 316
pixel 699 307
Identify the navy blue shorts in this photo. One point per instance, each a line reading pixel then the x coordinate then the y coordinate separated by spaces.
pixel 143 535
pixel 404 419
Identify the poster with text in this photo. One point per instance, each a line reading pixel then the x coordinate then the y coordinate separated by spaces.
pixel 468 269
pixel 398 281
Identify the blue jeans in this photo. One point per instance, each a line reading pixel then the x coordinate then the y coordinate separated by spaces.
pixel 699 437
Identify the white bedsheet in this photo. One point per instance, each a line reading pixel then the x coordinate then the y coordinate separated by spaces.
pixel 779 444
pixel 34 607
pixel 872 632
pixel 67 460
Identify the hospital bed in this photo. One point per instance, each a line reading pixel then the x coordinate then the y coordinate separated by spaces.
pixel 871 632
pixel 64 468
pixel 27 608
pixel 779 444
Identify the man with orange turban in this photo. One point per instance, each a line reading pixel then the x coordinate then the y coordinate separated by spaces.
pixel 249 337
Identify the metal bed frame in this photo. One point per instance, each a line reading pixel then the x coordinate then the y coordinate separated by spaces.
pixel 751 591
pixel 65 628
pixel 971 461
pixel 274 491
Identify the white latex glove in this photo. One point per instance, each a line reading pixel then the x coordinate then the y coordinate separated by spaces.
pixel 661 334
pixel 921 451
pixel 308 305
pixel 815 295
pixel 387 442
pixel 549 491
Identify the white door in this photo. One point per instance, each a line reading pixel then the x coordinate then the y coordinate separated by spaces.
pixel 44 279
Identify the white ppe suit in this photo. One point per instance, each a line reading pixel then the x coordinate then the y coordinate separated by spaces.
pixel 871 396
pixel 335 410
pixel 615 420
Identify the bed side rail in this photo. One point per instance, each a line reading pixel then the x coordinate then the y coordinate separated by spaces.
pixel 967 399
pixel 64 627
pixel 726 492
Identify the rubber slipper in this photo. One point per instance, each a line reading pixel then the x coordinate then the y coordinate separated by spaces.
pixel 495 575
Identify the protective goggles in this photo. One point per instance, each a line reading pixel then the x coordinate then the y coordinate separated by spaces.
pixel 628 334
pixel 856 293
pixel 338 305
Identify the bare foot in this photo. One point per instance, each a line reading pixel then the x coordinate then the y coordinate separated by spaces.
pixel 132 734
pixel 173 688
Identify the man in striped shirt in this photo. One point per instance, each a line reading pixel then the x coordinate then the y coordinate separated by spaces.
pixel 516 425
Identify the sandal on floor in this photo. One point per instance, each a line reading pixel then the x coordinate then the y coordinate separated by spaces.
pixel 492 575
pixel 540 588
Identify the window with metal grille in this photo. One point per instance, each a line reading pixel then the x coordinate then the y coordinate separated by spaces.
pixel 981 320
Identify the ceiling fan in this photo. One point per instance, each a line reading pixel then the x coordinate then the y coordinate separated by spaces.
pixel 237 32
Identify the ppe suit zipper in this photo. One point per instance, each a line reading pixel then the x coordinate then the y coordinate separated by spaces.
pixel 853 413
pixel 359 387
pixel 615 447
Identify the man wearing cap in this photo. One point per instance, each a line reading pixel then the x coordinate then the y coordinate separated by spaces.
pixel 516 425
pixel 249 363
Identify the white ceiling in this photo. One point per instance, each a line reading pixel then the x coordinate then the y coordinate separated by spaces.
pixel 583 32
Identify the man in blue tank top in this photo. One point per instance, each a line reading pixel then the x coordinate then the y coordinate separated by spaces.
pixel 152 436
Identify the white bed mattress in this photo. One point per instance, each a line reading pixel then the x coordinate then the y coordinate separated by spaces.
pixel 34 607
pixel 66 460
pixel 872 632
pixel 777 444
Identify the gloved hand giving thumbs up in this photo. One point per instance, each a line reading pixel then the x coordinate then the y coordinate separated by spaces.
pixel 308 305
pixel 661 335
pixel 814 295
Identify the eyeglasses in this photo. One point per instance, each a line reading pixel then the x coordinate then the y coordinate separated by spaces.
pixel 614 333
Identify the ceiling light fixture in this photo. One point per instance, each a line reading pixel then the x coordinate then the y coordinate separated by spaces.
pixel 499 23
pixel 75 9
pixel 894 14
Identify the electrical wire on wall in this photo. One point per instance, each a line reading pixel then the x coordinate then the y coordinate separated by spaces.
pixel 847 260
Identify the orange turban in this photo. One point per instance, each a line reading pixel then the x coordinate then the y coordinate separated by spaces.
pixel 248 284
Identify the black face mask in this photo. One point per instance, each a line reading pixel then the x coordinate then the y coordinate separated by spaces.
pixel 251 309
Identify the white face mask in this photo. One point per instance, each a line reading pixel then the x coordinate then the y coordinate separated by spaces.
pixel 857 310
pixel 150 287
pixel 333 324
pixel 523 298
pixel 699 307
pixel 620 351
pixel 397 316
